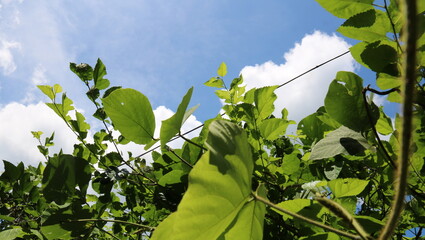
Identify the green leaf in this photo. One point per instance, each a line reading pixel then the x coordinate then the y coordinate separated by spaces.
pixel 294 205
pixel 384 125
pixel 370 25
pixel 322 236
pixel 171 177
pixel 220 183
pixel 98 74
pixel 222 70
pixel 346 8
pixel 347 187
pixel 312 128
pixel 132 115
pixel 264 101
pixel 62 109
pixel 370 225
pixel 171 126
pixel 333 169
pixel 249 222
pixel 385 81
pixel 341 141
pixel 62 174
pixel 47 90
pixel 11 172
pixel 273 128
pixel 82 70
pixel 344 102
pixel 291 163
pixel 379 56
pixel 14 233
pixel 215 82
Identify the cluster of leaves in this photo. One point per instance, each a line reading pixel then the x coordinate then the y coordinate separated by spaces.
pixel 243 177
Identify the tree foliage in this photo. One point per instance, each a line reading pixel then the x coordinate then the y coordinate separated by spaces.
pixel 243 177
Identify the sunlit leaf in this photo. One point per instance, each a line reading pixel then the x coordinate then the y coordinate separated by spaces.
pixel 131 113
pixel 273 128
pixel 171 126
pixel 370 25
pixel 346 8
pixel 341 141
pixel 222 70
pixel 215 82
pixel 344 102
pixel 219 183
pixel 98 74
pixel 294 205
pixel 347 187
pixel 264 101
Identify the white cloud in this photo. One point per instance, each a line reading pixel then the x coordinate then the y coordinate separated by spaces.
pixel 16 141
pixel 303 96
pixel 7 62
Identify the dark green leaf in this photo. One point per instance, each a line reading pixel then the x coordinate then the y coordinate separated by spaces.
pixel 82 70
pixel 98 74
pixel 370 25
pixel 344 102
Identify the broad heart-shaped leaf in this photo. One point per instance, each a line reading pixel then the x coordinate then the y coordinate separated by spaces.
pixel 344 102
pixel 273 128
pixel 341 141
pixel 170 127
pixel 98 74
pixel 313 128
pixel 294 205
pixel 346 8
pixel 131 113
pixel 380 56
pixel 264 101
pixel 62 174
pixel 249 222
pixel 14 233
pixel 347 187
pixel 370 25
pixel 219 189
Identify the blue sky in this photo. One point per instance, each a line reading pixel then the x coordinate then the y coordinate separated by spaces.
pixel 160 48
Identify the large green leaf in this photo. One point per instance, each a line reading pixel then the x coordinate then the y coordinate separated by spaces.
pixel 62 174
pixel 347 187
pixel 13 233
pixel 219 190
pixel 171 126
pixel 131 113
pixel 273 128
pixel 249 222
pixel 344 102
pixel 264 101
pixel 346 8
pixel 380 56
pixel 370 25
pixel 341 141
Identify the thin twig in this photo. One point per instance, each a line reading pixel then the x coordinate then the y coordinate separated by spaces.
pixel 181 159
pixel 192 142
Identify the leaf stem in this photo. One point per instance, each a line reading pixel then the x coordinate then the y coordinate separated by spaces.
pixel 308 220
pixel 369 116
pixel 409 8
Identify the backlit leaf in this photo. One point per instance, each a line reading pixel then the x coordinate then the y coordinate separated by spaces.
pixel 341 141
pixel 131 113
pixel 264 101
pixel 222 70
pixel 370 25
pixel 215 82
pixel 344 102
pixel 171 126
pixel 294 206
pixel 273 128
pixel 347 187
pixel 219 183
pixel 98 74
pixel 346 8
